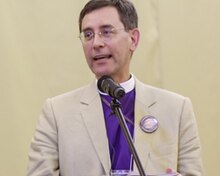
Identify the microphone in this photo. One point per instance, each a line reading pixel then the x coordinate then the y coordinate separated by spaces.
pixel 106 84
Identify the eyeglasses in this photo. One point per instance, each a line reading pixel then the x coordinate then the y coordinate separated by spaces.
pixel 106 33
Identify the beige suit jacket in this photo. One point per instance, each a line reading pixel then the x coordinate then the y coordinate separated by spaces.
pixel 71 140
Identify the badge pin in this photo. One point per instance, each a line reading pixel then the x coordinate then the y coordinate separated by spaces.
pixel 149 124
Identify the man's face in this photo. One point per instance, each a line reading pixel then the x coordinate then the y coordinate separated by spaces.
pixel 110 53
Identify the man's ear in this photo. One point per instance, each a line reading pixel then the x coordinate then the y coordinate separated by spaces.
pixel 135 36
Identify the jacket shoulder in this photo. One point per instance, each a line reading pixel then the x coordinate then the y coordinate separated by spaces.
pixel 158 92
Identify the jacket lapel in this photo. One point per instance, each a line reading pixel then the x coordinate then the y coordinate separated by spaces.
pixel 93 117
pixel 144 102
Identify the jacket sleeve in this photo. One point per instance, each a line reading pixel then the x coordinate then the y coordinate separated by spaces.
pixel 189 159
pixel 43 154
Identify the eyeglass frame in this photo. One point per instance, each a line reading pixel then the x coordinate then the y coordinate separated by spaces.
pixel 101 33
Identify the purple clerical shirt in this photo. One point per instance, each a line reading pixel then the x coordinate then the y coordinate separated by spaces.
pixel 119 150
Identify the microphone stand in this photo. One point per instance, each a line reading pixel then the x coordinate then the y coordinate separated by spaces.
pixel 115 106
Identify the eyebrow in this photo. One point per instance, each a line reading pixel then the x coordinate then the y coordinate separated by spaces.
pixel 87 29
pixel 101 27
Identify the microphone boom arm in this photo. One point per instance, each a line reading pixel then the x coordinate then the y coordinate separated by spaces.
pixel 115 106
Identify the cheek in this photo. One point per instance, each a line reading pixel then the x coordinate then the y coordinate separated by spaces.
pixel 85 50
pixel 122 49
pixel 124 45
pixel 86 53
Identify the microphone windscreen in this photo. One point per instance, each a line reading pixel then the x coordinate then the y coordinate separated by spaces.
pixel 100 82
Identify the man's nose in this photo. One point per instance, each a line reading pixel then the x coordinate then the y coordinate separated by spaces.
pixel 98 41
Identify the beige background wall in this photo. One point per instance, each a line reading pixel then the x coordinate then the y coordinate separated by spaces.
pixel 41 56
pixel 190 51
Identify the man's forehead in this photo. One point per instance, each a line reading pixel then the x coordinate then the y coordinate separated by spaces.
pixel 100 17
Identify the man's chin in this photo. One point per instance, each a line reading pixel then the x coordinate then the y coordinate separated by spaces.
pixel 100 74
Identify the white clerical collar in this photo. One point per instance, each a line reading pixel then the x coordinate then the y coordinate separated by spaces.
pixel 127 85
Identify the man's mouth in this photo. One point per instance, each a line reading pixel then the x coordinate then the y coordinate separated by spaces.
pixel 100 57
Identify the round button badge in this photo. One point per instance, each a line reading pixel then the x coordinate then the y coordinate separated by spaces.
pixel 149 124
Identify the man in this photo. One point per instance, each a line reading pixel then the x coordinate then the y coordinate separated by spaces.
pixel 77 133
